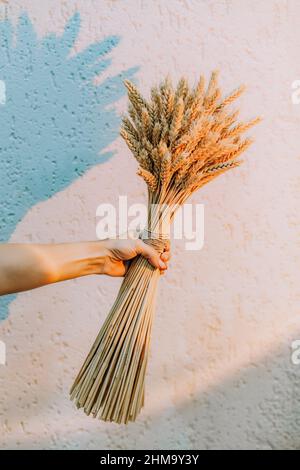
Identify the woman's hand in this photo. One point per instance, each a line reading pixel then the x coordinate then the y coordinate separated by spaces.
pixel 121 251
pixel 27 266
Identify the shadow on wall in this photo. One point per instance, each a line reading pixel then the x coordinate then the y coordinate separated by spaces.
pixel 54 121
pixel 257 407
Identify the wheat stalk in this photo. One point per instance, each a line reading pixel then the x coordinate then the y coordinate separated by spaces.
pixel 182 138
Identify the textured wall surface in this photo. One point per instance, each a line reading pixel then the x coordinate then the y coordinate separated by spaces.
pixel 220 372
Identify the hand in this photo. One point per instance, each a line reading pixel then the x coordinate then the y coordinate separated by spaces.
pixel 28 266
pixel 121 251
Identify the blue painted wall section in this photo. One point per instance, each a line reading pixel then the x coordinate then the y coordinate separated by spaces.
pixel 55 122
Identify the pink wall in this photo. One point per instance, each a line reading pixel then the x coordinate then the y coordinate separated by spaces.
pixel 220 373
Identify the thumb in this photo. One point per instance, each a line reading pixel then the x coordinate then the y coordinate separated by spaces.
pixel 149 253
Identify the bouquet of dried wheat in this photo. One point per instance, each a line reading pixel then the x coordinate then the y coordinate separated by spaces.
pixel 182 138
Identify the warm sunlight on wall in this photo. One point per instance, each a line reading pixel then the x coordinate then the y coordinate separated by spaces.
pixel 220 373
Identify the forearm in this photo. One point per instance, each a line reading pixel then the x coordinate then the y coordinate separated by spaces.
pixel 27 266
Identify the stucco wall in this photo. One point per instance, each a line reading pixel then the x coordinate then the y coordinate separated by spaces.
pixel 220 372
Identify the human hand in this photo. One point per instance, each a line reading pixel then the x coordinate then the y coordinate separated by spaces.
pixel 28 266
pixel 121 251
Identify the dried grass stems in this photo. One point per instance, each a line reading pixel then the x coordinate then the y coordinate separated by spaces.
pixel 182 138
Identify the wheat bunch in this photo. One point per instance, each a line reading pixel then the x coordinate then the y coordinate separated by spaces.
pixel 182 138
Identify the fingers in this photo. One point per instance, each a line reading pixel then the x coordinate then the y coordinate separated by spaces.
pixel 148 252
pixel 165 256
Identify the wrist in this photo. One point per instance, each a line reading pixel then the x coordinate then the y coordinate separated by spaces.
pixel 96 255
pixel 74 260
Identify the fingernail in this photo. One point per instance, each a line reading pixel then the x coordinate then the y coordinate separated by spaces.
pixel 162 265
